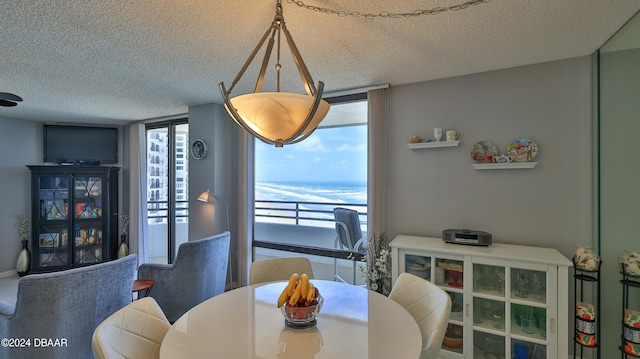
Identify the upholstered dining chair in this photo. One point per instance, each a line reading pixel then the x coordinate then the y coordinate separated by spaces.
pixel 348 236
pixel 429 305
pixel 135 331
pixel 65 307
pixel 198 273
pixel 273 269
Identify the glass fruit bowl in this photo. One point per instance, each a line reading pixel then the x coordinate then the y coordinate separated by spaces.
pixel 303 316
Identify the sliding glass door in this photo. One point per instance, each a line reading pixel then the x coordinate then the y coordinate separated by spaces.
pixel 167 188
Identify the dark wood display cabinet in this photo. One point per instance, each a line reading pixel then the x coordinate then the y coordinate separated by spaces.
pixel 73 215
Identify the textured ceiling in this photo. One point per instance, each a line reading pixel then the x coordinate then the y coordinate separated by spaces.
pixel 115 61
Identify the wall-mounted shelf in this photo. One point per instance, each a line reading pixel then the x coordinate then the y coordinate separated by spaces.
pixel 417 146
pixel 504 166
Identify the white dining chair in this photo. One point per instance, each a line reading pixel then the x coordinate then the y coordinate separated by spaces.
pixel 135 331
pixel 273 269
pixel 429 305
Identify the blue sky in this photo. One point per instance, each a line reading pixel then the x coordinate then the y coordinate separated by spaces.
pixel 335 154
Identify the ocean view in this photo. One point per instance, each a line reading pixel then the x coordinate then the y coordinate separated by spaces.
pixel 340 192
pixel 348 193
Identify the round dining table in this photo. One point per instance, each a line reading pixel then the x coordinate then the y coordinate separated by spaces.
pixel 246 323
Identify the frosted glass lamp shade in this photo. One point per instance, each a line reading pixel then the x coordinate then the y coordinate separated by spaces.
pixel 278 115
pixel 204 196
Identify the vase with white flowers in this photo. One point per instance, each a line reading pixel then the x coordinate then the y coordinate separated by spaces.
pixel 123 249
pixel 376 266
pixel 23 225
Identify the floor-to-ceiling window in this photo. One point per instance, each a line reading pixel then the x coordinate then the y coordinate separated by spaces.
pixel 167 188
pixel 298 186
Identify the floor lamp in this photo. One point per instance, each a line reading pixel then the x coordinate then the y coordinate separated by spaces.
pixel 211 198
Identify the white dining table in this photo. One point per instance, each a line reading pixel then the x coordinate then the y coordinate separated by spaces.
pixel 246 323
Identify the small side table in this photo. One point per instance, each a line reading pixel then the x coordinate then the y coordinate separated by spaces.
pixel 140 285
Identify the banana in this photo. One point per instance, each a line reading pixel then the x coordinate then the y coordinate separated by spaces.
pixel 311 292
pixel 293 280
pixel 295 296
pixel 304 283
pixel 284 297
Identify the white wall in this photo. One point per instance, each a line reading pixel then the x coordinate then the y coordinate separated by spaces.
pixel 436 189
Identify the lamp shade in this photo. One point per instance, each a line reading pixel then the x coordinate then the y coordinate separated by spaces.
pixel 278 115
pixel 204 196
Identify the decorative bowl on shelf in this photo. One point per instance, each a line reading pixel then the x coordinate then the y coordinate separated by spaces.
pixel 452 342
pixel 631 334
pixel 587 340
pixel 585 259
pixel 632 318
pixel 631 348
pixel 453 337
pixel 630 262
pixel 301 316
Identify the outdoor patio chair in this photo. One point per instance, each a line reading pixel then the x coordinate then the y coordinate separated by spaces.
pixel 348 236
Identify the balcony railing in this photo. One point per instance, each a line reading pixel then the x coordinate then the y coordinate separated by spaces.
pixel 291 212
pixel 282 227
pixel 304 213
pixel 157 211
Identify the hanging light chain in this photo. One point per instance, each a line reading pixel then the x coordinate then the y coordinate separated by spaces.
pixel 386 14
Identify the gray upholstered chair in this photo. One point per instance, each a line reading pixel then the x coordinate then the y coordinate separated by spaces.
pixel 429 305
pixel 273 269
pixel 348 236
pixel 198 273
pixel 135 331
pixel 66 307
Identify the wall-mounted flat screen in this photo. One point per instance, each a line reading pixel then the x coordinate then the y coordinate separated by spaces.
pixel 80 145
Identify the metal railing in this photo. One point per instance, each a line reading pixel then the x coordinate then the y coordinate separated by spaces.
pixel 308 213
pixel 315 214
pixel 157 211
pixel 290 212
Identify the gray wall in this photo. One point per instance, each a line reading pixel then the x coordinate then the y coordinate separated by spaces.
pixel 20 145
pixel 547 206
pixel 436 189
pixel 216 172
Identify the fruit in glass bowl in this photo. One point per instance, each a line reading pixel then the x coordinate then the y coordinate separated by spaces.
pixel 300 302
pixel 301 315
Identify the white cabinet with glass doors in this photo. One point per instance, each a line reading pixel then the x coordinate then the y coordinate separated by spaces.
pixel 505 298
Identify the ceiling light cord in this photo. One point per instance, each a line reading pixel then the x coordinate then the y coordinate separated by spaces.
pixel 386 14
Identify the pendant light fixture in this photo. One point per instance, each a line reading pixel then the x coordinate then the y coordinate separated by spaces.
pixel 277 118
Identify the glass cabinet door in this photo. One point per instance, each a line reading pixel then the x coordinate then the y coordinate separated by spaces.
pixel 52 226
pixel 529 312
pixel 449 275
pixel 418 265
pixel 88 221
pixel 490 309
